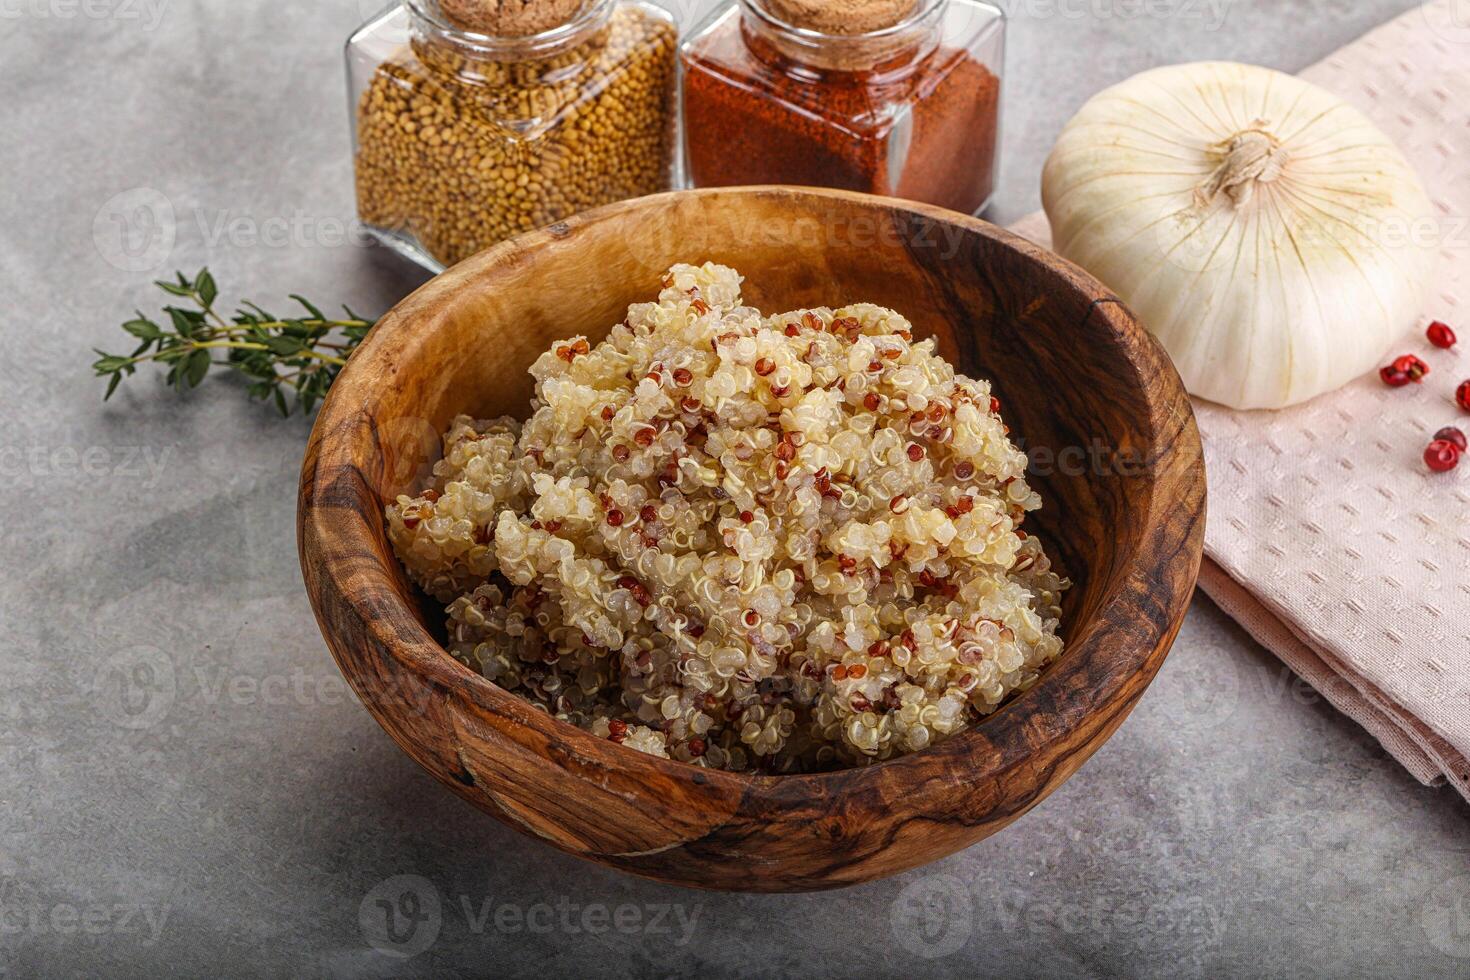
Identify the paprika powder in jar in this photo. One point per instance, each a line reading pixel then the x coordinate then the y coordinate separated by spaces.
pixel 799 92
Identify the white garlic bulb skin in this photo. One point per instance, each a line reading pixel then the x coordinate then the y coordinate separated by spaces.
pixel 1275 241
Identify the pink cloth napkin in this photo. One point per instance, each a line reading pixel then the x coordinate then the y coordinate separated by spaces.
pixel 1328 539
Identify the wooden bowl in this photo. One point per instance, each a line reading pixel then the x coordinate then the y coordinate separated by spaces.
pixel 1082 386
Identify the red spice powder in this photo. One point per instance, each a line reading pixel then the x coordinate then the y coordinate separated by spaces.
pixel 924 131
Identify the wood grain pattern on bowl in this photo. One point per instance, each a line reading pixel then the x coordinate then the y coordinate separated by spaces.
pixel 1082 386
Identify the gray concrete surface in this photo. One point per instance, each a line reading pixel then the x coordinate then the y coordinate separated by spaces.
pixel 186 788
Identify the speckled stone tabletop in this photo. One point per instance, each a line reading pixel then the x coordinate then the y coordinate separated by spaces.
pixel 187 787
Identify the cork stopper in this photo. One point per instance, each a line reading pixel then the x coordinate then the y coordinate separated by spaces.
pixel 845 17
pixel 510 18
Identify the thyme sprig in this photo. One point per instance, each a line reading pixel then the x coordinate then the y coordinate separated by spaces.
pixel 302 353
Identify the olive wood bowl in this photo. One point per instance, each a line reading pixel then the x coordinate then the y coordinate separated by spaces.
pixel 1115 455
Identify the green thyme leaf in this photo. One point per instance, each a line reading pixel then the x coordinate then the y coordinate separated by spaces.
pixel 196 366
pixel 315 313
pixel 184 324
pixel 205 287
pixel 182 288
pixel 143 328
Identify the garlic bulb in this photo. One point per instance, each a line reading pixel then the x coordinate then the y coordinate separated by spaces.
pixel 1271 237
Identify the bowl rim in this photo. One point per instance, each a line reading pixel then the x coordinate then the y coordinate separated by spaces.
pixel 379 611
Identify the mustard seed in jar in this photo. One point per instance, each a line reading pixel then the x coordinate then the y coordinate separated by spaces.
pixel 465 139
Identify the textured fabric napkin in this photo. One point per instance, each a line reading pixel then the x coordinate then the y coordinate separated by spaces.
pixel 1328 539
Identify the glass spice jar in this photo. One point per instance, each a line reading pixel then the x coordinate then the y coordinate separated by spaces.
pixel 463 139
pixel 911 110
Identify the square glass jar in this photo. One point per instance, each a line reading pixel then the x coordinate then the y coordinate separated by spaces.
pixel 461 140
pixel 910 111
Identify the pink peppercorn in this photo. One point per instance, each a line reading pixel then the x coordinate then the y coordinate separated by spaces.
pixel 1451 434
pixel 1412 365
pixel 1442 456
pixel 1393 377
pixel 1440 335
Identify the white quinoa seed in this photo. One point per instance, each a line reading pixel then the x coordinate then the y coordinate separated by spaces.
pixel 741 541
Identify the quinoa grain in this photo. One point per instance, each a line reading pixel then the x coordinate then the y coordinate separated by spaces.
pixel 800 589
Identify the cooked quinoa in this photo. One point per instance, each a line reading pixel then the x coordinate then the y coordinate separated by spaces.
pixel 786 543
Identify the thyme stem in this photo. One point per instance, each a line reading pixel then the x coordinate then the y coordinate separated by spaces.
pixel 303 354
